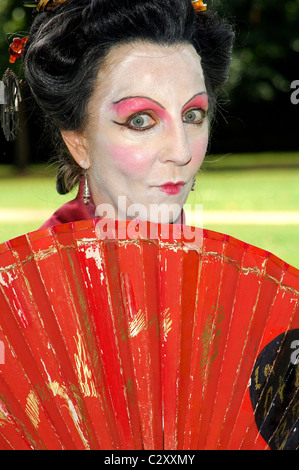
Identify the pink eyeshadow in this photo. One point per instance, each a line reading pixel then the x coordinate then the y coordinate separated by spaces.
pixel 200 101
pixel 135 105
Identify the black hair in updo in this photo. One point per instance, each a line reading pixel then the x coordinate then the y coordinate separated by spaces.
pixel 68 44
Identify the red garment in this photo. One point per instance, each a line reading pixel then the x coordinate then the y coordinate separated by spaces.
pixel 72 211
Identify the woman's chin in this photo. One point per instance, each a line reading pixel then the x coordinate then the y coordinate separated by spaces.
pixel 163 213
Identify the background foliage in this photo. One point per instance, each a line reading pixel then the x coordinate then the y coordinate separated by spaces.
pixel 256 112
pixel 260 114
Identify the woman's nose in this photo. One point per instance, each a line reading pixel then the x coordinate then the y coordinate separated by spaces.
pixel 176 147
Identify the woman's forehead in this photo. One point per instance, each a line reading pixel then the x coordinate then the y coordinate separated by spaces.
pixel 142 68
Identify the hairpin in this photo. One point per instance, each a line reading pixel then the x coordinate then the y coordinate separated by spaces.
pixel 199 5
pixel 16 49
pixel 43 5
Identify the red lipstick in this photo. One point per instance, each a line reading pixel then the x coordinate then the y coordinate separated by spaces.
pixel 172 188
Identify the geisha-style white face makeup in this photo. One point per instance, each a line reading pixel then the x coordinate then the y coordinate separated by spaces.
pixel 147 130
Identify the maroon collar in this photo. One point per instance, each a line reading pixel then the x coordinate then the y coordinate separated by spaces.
pixel 73 211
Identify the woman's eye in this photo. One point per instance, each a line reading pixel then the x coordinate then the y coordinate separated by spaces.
pixel 194 116
pixel 141 122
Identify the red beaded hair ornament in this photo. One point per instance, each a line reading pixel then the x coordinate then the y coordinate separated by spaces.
pixel 16 49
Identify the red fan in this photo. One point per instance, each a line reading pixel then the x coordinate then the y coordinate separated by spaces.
pixel 146 341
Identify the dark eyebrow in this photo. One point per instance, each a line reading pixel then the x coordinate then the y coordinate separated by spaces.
pixel 134 97
pixel 197 94
pixel 154 101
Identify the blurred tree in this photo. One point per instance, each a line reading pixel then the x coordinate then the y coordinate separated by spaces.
pixel 267 47
pixel 265 62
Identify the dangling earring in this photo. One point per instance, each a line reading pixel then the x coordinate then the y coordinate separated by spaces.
pixel 194 184
pixel 86 192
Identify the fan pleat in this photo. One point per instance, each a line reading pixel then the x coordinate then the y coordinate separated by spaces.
pixel 227 283
pixel 141 342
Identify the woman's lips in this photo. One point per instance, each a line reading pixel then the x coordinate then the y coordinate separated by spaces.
pixel 172 188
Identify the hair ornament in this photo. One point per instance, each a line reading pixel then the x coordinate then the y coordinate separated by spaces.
pixel 16 49
pixel 44 5
pixel 10 98
pixel 199 5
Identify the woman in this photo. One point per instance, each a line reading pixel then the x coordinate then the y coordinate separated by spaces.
pixel 130 88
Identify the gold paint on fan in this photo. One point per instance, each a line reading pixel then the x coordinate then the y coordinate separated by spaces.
pixel 281 431
pixel 166 322
pixel 84 374
pixel 74 411
pixel 210 340
pixel 57 389
pixel 32 409
pixel 138 324
pixel 3 419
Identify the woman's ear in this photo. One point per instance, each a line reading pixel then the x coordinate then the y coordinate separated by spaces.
pixel 77 145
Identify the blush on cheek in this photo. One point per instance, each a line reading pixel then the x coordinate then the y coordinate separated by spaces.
pixel 129 159
pixel 198 149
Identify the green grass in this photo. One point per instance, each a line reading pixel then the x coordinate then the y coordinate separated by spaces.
pixel 272 190
pixel 282 240
pixel 247 182
pixel 264 182
pixel 35 189
pixel 255 185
